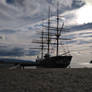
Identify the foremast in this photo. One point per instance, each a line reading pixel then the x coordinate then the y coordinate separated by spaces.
pixel 48 40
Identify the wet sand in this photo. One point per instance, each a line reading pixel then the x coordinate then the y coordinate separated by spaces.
pixel 46 80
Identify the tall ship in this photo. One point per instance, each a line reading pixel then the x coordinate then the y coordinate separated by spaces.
pixel 52 36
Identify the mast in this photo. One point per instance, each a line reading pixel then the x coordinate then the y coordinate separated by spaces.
pixel 42 46
pixel 57 35
pixel 48 40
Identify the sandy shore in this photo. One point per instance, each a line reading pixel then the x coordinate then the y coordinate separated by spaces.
pixel 46 80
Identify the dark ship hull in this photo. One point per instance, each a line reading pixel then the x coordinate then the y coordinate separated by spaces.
pixel 55 62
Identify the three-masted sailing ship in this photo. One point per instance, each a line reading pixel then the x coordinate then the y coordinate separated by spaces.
pixel 52 36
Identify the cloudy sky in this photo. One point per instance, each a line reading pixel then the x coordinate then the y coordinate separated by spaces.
pixel 21 19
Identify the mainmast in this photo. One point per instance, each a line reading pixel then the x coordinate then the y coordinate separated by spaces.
pixel 57 35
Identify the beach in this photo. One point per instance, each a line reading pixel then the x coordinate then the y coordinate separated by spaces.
pixel 46 80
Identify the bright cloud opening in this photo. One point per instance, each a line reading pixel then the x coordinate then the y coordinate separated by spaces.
pixel 84 14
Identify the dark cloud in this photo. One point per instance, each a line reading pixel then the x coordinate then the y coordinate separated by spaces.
pixel 10 1
pixel 80 27
pixel 77 3
pixel 14 2
pixel 7 31
pixel 12 52
pixel 49 1
pixel 6 51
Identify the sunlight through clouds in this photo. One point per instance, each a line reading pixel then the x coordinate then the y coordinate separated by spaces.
pixel 84 14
